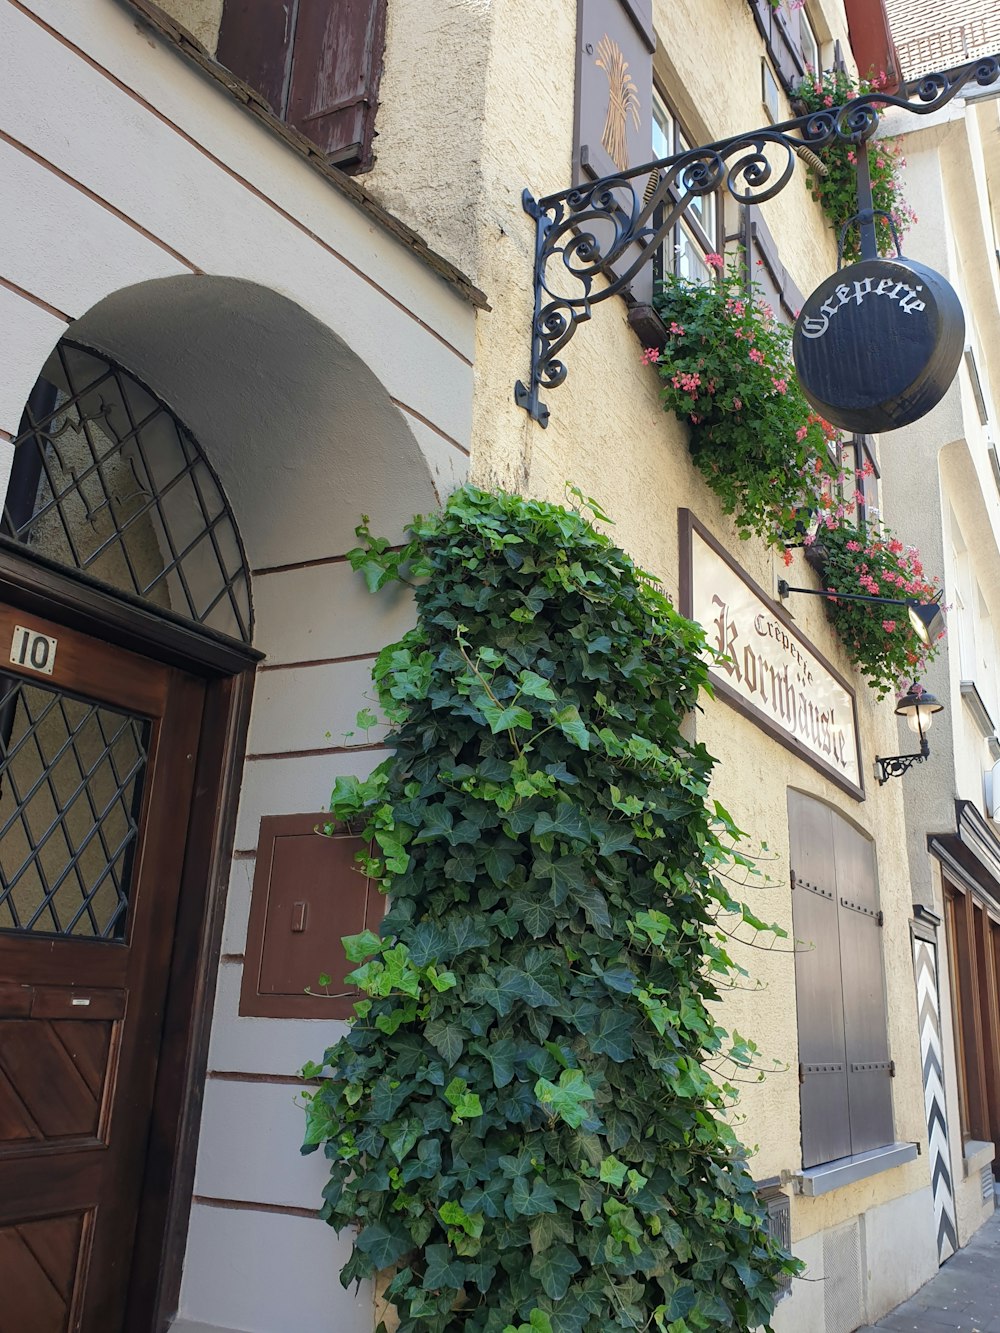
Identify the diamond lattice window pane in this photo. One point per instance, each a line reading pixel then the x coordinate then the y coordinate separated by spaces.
pixel 107 480
pixel 71 777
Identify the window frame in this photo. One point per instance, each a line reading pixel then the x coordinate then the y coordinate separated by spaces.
pixel 815 64
pixel 690 226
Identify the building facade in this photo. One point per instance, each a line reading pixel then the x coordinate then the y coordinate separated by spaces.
pixel 941 484
pixel 251 293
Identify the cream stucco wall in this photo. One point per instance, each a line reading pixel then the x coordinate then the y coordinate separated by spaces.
pixel 476 106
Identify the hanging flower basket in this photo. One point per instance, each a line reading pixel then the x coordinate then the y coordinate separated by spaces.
pixel 727 372
pixel 867 559
pixel 836 191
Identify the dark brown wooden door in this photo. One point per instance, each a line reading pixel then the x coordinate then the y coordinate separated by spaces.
pixel 97 758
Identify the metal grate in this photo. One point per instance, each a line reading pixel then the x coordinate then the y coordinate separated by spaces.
pixel 105 479
pixel 843 1298
pixel 71 775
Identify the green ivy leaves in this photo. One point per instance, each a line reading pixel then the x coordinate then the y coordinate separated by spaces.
pixel 519 1115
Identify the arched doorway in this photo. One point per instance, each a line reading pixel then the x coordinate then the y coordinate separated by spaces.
pixel 274 437
pixel 110 709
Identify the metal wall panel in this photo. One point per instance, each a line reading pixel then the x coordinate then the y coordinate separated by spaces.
pixel 845 1070
pixel 823 1092
pixel 869 1078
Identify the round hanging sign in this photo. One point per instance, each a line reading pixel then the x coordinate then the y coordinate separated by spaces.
pixel 877 344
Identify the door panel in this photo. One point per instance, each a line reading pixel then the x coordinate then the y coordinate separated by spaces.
pixel 97 750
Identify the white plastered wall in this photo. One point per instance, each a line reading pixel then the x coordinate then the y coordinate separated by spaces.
pixel 327 372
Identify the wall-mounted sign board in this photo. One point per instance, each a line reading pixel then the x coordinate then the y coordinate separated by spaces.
pixel 771 674
pixel 877 345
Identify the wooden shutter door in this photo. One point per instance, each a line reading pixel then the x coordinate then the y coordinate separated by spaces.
pixel 766 269
pixel 336 68
pixel 613 116
pixel 869 1071
pixel 255 42
pixel 823 1095
pixel 614 86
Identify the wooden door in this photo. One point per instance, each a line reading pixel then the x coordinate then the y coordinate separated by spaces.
pixel 97 760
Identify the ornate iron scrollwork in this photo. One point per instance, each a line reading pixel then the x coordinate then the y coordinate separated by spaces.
pixel 610 229
pixel 895 766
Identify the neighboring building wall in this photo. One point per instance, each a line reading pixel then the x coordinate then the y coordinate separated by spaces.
pixel 941 492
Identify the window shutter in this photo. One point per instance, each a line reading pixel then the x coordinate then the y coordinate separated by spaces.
pixel 777 287
pixel 823 1091
pixel 613 125
pixel 336 69
pixel 869 1071
pixel 613 115
pixel 780 30
pixel 255 42
pixel 318 63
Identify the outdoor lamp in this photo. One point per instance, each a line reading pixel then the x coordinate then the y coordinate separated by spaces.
pixel 918 706
pixel 927 618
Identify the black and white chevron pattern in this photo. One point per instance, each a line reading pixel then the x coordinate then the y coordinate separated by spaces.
pixel 929 1018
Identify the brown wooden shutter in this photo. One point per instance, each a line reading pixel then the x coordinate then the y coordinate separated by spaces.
pixel 767 270
pixel 614 86
pixel 780 30
pixel 823 1091
pixel 869 1071
pixel 336 69
pixel 318 63
pixel 613 117
pixel 844 1068
pixel 255 42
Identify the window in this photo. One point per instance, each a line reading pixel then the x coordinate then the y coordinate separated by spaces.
pixel 317 63
pixel 858 462
pixel 809 44
pixel 683 251
pixel 844 1067
pixel 986 653
pixel 961 598
pixel 769 94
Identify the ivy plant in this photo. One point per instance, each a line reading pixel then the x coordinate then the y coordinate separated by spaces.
pixel 527 1120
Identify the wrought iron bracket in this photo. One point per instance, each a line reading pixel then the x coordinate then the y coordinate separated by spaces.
pixel 599 236
pixel 896 765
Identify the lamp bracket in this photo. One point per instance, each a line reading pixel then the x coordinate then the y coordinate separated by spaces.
pixel 896 765
pixel 610 229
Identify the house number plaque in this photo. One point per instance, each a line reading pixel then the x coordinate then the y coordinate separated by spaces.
pixel 35 651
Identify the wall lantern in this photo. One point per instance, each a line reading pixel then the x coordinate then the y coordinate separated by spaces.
pixel 918 706
pixel 926 618
pixel 592 240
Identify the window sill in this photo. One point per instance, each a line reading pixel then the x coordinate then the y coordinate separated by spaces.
pixel 976 1154
pixel 817 1180
pixel 973 700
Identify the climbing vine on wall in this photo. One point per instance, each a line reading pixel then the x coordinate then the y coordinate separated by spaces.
pixel 527 1119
